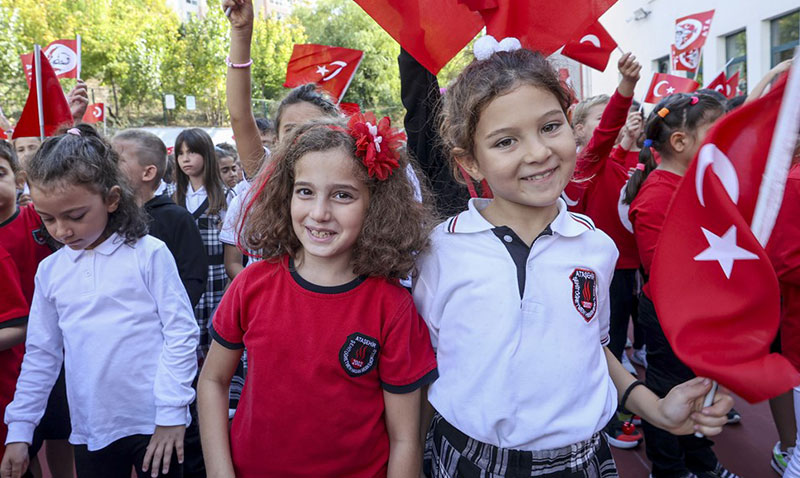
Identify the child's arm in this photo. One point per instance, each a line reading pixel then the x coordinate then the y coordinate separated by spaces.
pixel 234 261
pixel 631 131
pixel 13 306
pixel 177 364
pixel 191 259
pixel 762 86
pixel 212 408
pixel 237 87
pixel 405 447
pixel 426 413
pixel 681 412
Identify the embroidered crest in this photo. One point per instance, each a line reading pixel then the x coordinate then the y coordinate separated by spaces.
pixel 38 236
pixel 584 292
pixel 359 354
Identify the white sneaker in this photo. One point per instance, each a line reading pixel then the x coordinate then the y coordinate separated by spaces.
pixel 628 343
pixel 639 357
pixel 626 362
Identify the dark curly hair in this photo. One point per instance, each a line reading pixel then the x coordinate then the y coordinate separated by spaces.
pixel 481 82
pixel 396 225
pixel 88 160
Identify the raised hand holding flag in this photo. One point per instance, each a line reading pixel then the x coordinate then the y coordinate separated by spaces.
pixel 46 108
pixel 332 68
pixel 664 85
pixel 593 49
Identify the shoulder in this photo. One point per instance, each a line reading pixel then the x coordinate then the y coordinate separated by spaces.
pixel 583 220
pixel 256 276
pixel 147 246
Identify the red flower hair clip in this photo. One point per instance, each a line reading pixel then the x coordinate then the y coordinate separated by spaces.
pixel 376 143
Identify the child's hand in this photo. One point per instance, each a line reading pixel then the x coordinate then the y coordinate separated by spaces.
pixel 25 199
pixel 629 68
pixel 15 460
pixel 633 125
pixel 159 450
pixel 683 413
pixel 241 15
pixel 78 99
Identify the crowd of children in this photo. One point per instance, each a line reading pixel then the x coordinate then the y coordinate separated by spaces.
pixel 243 312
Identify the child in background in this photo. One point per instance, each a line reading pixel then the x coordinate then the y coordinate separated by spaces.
pixel 112 304
pixel 268 133
pixel 143 160
pixel 326 218
pixel 504 121
pixel 200 190
pixel 228 170
pixel 675 129
pixel 25 148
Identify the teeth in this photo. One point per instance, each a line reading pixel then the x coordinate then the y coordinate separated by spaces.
pixel 319 234
pixel 540 176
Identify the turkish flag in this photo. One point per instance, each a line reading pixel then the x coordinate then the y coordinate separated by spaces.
pixel 27 66
pixel 691 31
pixel 732 85
pixel 54 105
pixel 540 25
pixel 686 61
pixel 593 48
pixel 63 57
pixel 332 68
pixel 3 134
pixel 95 113
pixel 713 285
pixel 433 32
pixel 719 83
pixel 664 85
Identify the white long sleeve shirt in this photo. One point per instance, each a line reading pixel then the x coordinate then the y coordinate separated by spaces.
pixel 120 318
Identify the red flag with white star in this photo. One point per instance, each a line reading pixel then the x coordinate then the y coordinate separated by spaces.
pixel 593 47
pixel 713 285
pixel 664 85
pixel 330 67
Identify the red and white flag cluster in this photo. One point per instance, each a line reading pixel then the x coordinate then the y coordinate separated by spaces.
pixel 727 86
pixel 664 85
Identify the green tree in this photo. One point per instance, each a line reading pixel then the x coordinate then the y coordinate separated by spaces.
pixel 271 49
pixel 343 23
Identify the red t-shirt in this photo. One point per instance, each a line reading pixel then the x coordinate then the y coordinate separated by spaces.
pixel 783 249
pixel 22 235
pixel 600 183
pixel 13 311
pixel 318 362
pixel 647 214
pixel 625 158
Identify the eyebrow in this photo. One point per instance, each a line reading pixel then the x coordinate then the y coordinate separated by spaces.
pixel 68 211
pixel 510 129
pixel 333 186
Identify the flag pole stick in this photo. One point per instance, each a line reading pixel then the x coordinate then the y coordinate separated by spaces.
pixel 78 42
pixel 708 401
pixel 105 130
pixel 622 52
pixel 724 69
pixel 37 62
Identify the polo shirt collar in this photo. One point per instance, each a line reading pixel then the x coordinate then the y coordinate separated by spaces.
pixel 565 224
pixel 106 248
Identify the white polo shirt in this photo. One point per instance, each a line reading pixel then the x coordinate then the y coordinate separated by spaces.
pixel 519 348
pixel 119 317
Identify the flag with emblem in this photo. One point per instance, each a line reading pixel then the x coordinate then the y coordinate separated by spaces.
pixel 714 288
pixel 50 100
pixel 727 86
pixel 330 67
pixel 95 113
pixel 687 60
pixel 592 47
pixel 691 31
pixel 664 85
pixel 64 56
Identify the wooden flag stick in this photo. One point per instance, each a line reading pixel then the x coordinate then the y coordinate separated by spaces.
pixel 78 42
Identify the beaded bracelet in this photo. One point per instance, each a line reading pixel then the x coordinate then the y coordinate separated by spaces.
pixel 237 65
pixel 628 391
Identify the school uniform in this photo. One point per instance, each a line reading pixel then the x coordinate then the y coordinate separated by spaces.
pixel 217 279
pixel 119 318
pixel 519 335
pixel 670 455
pixel 319 360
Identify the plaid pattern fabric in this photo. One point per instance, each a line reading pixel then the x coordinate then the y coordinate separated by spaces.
pixel 455 455
pixel 209 226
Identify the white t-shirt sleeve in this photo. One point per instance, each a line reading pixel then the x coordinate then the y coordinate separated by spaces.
pixel 425 297
pixel 177 364
pixel 604 296
pixel 44 353
pixel 230 225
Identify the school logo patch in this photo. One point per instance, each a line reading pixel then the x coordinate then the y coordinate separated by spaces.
pixel 38 236
pixel 584 292
pixel 359 354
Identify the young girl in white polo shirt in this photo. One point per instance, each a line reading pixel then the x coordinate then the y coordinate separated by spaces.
pixel 112 307
pixel 515 294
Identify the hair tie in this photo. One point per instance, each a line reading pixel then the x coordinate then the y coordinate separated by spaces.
pixel 74 131
pixel 648 143
pixel 663 112
pixel 694 100
pixel 640 166
pixel 487 46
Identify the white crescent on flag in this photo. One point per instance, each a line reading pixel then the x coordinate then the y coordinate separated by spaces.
pixel 97 111
pixel 659 85
pixel 61 58
pixel 340 64
pixel 591 39
pixel 711 155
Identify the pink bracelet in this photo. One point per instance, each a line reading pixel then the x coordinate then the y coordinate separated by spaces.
pixel 239 65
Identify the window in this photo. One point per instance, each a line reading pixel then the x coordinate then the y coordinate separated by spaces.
pixel 736 54
pixel 662 65
pixel 784 36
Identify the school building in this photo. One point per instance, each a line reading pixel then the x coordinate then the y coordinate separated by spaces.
pixel 750 36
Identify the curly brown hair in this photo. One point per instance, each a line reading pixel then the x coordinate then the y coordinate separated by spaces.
pixel 480 83
pixel 396 225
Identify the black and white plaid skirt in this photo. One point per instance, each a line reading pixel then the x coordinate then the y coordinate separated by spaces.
pixel 455 455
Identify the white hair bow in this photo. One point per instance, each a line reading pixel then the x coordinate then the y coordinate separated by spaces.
pixel 487 45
